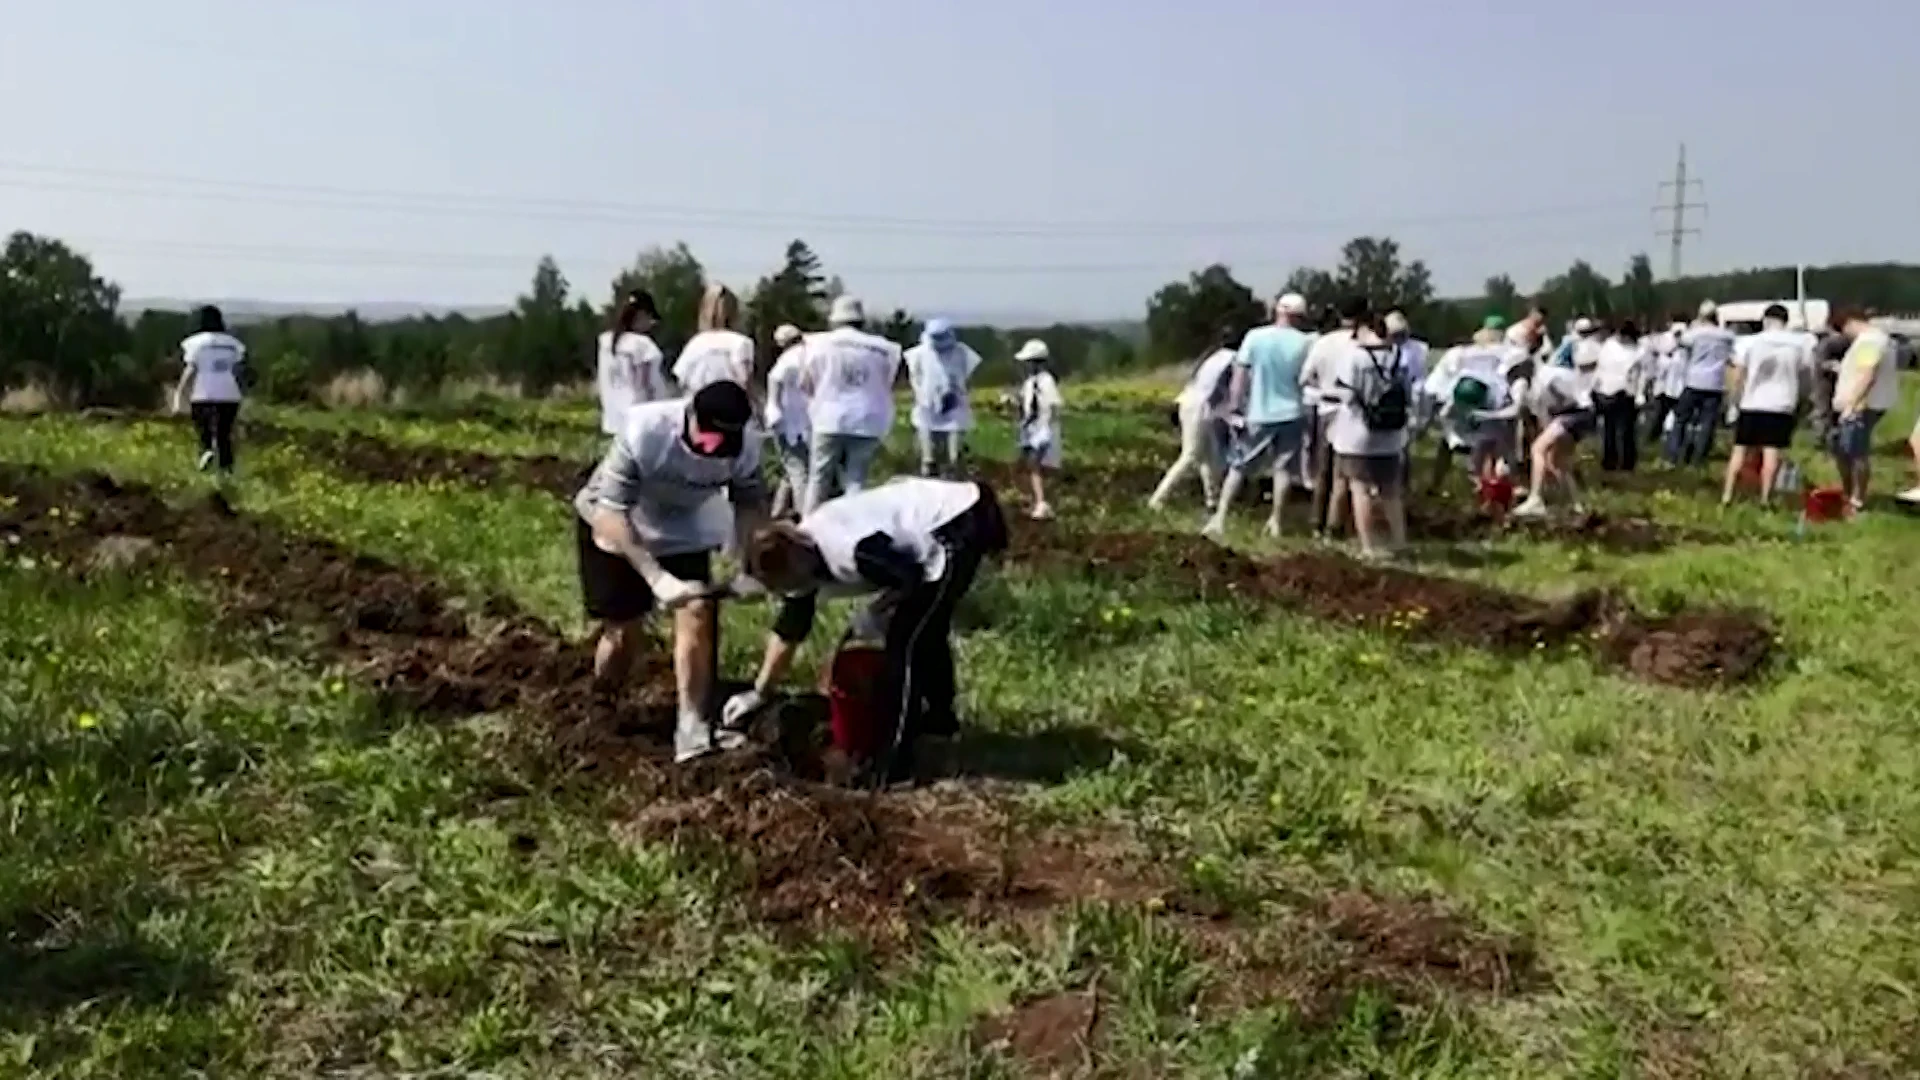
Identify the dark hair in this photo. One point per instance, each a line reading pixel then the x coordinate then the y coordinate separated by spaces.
pixel 211 321
pixel 1355 309
pixel 1228 336
pixel 1680 317
pixel 636 303
pixel 1775 311
pixel 723 404
pixel 1627 331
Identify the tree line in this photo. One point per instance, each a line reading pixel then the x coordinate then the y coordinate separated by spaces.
pixel 61 327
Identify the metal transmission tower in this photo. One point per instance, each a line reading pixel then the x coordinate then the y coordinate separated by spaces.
pixel 1682 189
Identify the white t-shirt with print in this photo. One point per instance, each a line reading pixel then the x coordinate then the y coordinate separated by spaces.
pixel 933 375
pixel 907 512
pixel 1617 367
pixel 215 360
pixel 1358 367
pixel 629 373
pixel 714 356
pixel 1321 371
pixel 787 399
pixel 672 495
pixel 849 374
pixel 1774 363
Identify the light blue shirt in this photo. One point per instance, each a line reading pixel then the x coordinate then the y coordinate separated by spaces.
pixel 1273 356
pixel 1708 348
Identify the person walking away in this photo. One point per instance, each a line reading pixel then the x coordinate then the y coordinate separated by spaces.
pixel 1039 432
pixel 939 369
pixel 650 518
pixel 1415 353
pixel 1201 408
pixel 787 423
pixel 1707 347
pixel 209 387
pixel 1619 378
pixel 719 352
pixel 631 369
pixel 1562 401
pixel 1369 435
pixel 914 545
pixel 1319 379
pixel 1772 374
pixel 848 375
pixel 1266 409
pixel 1869 385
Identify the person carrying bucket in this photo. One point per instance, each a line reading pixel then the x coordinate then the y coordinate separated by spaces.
pixel 917 544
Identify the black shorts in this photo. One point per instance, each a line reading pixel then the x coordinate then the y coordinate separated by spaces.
pixel 1772 430
pixel 613 590
pixel 1578 424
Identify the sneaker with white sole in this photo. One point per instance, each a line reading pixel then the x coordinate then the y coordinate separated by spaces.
pixel 1043 512
pixel 1532 508
pixel 1273 529
pixel 206 461
pixel 1215 531
pixel 1911 495
pixel 695 738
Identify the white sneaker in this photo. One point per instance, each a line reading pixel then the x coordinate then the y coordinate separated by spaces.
pixel 1911 495
pixel 1532 508
pixel 206 460
pixel 695 738
pixel 1156 504
pixel 1215 531
pixel 1272 529
pixel 1043 512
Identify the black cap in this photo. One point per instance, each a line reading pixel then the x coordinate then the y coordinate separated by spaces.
pixel 1355 309
pixel 641 300
pixel 722 409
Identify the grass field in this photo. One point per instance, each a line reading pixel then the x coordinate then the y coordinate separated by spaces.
pixel 1208 823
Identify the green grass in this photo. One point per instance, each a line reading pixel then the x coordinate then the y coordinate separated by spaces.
pixel 222 858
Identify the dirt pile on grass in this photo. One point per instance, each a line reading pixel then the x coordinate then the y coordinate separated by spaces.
pixel 1706 648
pixel 368 458
pixel 1626 534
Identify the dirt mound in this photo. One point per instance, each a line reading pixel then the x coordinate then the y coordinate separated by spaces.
pixel 1051 1036
pixel 1703 648
pixel 1455 522
pixel 368 458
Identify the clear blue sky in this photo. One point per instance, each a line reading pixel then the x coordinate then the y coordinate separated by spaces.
pixel 1053 156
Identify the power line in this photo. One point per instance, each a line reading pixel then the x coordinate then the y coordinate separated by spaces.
pixel 466 204
pixel 1678 232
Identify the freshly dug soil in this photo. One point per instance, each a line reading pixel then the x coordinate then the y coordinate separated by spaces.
pixel 1459 520
pixel 1692 649
pixel 368 458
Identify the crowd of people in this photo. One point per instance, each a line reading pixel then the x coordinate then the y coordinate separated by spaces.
pixel 1335 412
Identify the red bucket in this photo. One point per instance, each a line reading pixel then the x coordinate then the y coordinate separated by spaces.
pixel 1825 504
pixel 1750 472
pixel 1496 495
pixel 853 700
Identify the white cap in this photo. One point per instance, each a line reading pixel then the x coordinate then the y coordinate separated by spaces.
pixel 1034 349
pixel 786 335
pixel 1396 323
pixel 846 311
pixel 1291 304
pixel 1708 309
pixel 1584 326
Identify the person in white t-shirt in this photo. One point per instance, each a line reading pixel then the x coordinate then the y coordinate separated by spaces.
pixel 719 352
pixel 1619 379
pixel 1772 374
pixel 1319 377
pixel 1039 430
pixel 631 369
pixel 650 518
pixel 848 375
pixel 1469 382
pixel 787 421
pixel 913 544
pixel 1561 400
pixel 1665 381
pixel 1203 430
pixel 939 369
pixel 1868 387
pixel 210 379
pixel 1369 434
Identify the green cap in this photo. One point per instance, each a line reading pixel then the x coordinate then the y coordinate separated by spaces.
pixel 1493 322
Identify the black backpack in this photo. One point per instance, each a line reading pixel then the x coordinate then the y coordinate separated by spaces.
pixel 1384 402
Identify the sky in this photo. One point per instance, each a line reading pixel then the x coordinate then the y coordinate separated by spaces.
pixel 1049 157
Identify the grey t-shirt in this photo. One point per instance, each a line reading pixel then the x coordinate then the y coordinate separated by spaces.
pixel 669 493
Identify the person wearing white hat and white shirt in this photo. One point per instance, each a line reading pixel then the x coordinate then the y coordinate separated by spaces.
pixel 1039 431
pixel 1708 348
pixel 1666 380
pixel 1561 399
pixel 719 352
pixel 787 421
pixel 1319 377
pixel 1266 409
pixel 631 370
pixel 1773 373
pixel 1201 408
pixel 848 375
pixel 939 369
pixel 1619 365
pixel 649 519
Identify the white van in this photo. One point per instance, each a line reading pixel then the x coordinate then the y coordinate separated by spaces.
pixel 1744 317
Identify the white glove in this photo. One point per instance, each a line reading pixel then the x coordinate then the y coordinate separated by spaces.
pixel 674 594
pixel 739 707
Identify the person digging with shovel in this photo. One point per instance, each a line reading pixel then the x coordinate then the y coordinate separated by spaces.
pixel 917 544
pixel 650 518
